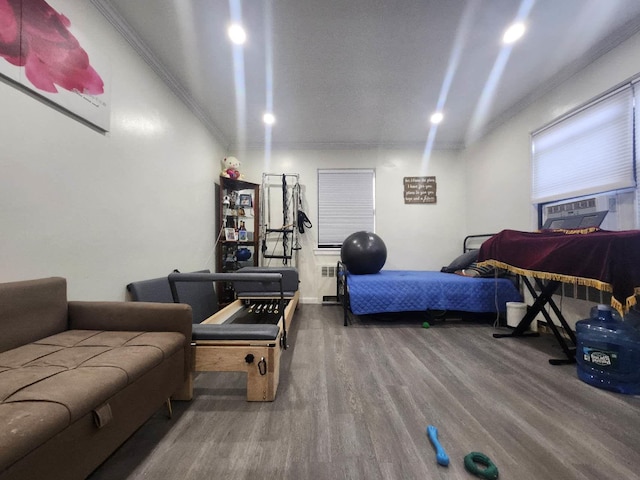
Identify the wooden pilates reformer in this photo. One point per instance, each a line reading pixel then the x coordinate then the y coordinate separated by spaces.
pixel 247 335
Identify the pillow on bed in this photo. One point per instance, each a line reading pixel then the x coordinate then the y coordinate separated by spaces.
pixel 484 271
pixel 463 261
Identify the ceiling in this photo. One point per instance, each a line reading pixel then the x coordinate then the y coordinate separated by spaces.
pixel 365 73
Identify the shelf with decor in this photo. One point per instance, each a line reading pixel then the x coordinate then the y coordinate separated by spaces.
pixel 238 246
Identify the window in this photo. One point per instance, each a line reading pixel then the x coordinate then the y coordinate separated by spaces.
pixel 346 204
pixel 636 88
pixel 590 151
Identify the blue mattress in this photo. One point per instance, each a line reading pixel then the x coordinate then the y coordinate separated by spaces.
pixel 407 291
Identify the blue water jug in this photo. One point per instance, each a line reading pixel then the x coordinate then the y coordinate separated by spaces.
pixel 608 352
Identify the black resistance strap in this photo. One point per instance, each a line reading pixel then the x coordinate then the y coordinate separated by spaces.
pixel 303 221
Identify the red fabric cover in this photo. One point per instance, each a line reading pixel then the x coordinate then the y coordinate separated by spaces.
pixel 593 258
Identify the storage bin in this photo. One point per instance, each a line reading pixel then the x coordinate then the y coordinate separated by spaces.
pixel 515 312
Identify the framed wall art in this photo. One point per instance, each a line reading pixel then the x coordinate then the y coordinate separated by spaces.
pixel 43 48
pixel 246 200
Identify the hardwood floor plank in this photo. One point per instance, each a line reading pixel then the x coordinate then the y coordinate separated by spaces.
pixel 354 403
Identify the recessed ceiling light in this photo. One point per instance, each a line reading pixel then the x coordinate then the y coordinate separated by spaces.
pixel 237 34
pixel 513 33
pixel 268 118
pixel 436 118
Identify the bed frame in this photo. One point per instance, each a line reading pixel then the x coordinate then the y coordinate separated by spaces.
pixel 343 293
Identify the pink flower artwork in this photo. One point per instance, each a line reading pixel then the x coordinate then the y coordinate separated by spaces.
pixel 34 36
pixel 9 33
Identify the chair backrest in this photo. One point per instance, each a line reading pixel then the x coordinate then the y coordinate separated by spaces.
pixel 201 296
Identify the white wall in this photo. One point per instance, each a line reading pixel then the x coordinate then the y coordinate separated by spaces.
pixel 498 169
pixel 105 210
pixel 418 237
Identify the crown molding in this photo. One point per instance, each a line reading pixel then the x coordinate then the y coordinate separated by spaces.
pixel 106 8
pixel 350 146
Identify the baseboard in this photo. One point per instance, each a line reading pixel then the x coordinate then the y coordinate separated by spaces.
pixel 310 300
pixel 330 300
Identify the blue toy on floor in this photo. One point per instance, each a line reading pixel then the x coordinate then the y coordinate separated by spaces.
pixel 441 456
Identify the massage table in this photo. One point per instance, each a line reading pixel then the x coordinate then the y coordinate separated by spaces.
pixel 606 260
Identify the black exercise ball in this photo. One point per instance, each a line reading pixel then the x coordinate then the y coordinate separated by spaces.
pixel 363 252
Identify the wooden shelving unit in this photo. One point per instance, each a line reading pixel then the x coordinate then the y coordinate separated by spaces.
pixel 238 230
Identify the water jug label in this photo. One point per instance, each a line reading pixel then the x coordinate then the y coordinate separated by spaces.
pixel 601 358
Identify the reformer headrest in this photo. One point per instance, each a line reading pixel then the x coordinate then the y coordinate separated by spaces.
pixel 204 331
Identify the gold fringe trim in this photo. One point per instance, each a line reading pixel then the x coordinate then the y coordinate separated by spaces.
pixel 617 305
pixel 572 231
pixel 589 282
pixel 629 302
pixel 632 300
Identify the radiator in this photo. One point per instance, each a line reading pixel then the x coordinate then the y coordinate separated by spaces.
pixel 327 282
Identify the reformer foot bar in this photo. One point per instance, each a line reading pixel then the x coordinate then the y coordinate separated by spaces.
pixel 251 348
pixel 540 301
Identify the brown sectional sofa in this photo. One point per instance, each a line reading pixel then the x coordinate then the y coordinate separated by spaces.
pixel 78 378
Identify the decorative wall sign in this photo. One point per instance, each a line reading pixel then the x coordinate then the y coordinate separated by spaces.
pixel 43 50
pixel 420 190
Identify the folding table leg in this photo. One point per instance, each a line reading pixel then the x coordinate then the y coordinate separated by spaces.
pixel 545 297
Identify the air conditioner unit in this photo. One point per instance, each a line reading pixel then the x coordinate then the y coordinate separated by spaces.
pixel 620 208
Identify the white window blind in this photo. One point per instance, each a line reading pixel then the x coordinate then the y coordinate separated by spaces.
pixel 636 89
pixel 346 204
pixel 590 151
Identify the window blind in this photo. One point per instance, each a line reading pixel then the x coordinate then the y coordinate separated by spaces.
pixel 590 151
pixel 346 204
pixel 636 90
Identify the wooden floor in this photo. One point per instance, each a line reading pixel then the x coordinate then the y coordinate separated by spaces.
pixel 354 402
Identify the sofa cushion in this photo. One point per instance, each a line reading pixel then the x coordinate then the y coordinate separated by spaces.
pixel 31 310
pixel 26 425
pixel 47 385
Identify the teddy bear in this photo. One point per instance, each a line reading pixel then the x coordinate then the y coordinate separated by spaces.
pixel 231 168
